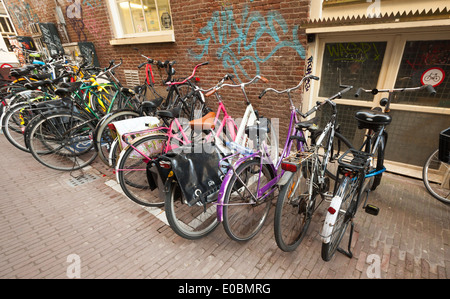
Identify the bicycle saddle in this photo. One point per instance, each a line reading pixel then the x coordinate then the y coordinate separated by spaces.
pixel 19 72
pixel 204 123
pixel 172 113
pixel 373 117
pixel 36 84
pixel 41 76
pixel 152 105
pixel 310 125
pixel 67 88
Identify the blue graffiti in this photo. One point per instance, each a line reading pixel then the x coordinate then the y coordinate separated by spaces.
pixel 223 30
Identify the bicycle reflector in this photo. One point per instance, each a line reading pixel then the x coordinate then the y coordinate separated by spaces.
pixel 331 210
pixel 289 167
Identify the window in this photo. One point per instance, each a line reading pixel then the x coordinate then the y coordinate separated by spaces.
pixel 142 18
pixel 425 62
pixel 351 63
pixel 388 61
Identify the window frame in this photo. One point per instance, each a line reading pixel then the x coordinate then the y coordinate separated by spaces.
pixel 120 38
pixel 396 42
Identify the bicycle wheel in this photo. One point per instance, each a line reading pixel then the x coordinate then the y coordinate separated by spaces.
pixel 131 169
pixel 338 217
pixel 436 177
pixel 190 222
pixel 62 141
pixel 243 216
pixel 294 209
pixel 103 138
pixel 14 122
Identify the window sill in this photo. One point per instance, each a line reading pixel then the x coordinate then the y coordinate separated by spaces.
pixel 168 37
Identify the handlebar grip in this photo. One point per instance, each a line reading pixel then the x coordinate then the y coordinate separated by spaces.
pixel 142 64
pixel 264 79
pixel 315 78
pixel 262 94
pixel 430 90
pixel 204 63
pixel 210 93
pixel 358 92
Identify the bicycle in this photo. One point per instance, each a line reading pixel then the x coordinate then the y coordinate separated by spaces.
pixel 360 171
pixel 142 147
pixel 247 190
pixel 193 216
pixel 103 140
pixel 436 170
pixel 307 175
pixel 177 89
pixel 23 108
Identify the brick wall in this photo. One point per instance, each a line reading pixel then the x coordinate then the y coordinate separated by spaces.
pixel 244 38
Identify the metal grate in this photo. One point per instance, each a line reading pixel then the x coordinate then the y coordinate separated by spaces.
pixel 82 179
pixel 132 78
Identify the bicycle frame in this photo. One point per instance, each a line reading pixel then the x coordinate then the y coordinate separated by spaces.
pixel 264 158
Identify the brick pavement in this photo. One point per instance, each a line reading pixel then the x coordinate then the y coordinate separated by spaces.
pixel 45 221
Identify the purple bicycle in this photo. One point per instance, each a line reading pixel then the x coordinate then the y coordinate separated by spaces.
pixel 248 188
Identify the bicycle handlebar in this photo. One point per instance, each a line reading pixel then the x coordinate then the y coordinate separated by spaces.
pixel 375 91
pixel 221 83
pixel 289 89
pixel 110 67
pixel 158 63
pixel 329 101
pixel 387 103
pixel 190 77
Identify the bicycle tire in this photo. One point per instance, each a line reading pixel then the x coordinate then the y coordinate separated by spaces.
pixel 103 138
pixel 293 213
pixel 62 141
pixel 242 220
pixel 114 153
pixel 436 174
pixel 14 123
pixel 190 222
pixel 132 166
pixel 336 223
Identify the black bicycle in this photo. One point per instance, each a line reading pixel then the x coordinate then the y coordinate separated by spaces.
pixel 359 172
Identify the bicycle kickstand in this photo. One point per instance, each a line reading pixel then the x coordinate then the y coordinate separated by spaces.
pixel 348 253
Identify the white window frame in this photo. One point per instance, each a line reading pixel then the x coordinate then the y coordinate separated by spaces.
pixel 120 38
pixel 396 40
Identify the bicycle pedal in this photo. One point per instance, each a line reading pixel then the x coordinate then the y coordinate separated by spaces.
pixel 372 210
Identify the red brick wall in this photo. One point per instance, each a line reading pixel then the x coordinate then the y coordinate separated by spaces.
pixel 259 37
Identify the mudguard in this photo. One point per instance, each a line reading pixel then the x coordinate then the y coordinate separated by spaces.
pixel 285 178
pixel 225 183
pixel 330 219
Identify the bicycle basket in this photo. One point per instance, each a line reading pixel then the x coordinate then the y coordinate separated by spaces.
pixel 444 146
pixel 140 125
